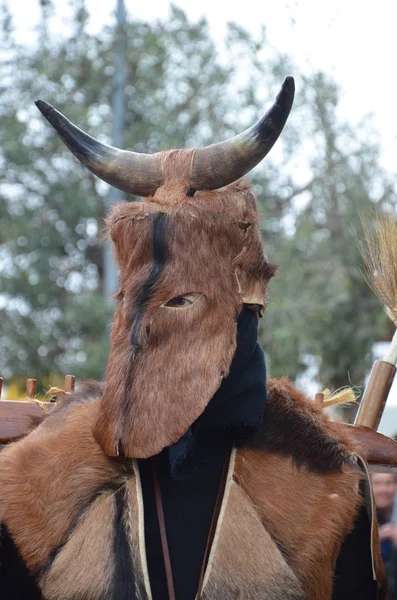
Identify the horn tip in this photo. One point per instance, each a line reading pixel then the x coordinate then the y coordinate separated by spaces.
pixel 289 84
pixel 43 107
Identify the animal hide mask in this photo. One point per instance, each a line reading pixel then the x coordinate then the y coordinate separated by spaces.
pixel 190 256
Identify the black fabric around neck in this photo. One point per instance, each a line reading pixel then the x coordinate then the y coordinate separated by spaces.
pixel 188 508
pixel 238 405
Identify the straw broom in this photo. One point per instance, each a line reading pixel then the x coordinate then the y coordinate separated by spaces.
pixel 379 251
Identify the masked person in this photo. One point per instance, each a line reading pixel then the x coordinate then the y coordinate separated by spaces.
pixel 384 486
pixel 185 476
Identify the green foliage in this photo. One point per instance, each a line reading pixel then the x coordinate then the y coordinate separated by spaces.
pixel 322 308
pixel 54 314
pixel 180 92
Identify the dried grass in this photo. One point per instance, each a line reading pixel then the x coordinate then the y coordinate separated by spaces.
pixel 379 251
pixel 339 397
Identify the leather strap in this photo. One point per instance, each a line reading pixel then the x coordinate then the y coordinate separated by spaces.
pixel 163 533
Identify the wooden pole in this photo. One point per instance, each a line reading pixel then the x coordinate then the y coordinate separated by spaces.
pixel 69 383
pixel 376 393
pixel 110 278
pixel 30 388
pixel 380 381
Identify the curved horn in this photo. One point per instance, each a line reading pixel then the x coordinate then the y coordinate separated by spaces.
pixel 131 172
pixel 220 164
pixel 212 167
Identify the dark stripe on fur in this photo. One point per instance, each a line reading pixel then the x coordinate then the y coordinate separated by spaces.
pixel 292 429
pixel 123 586
pixel 39 573
pixel 159 227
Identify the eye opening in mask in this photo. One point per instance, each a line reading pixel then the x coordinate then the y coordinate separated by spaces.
pixel 182 301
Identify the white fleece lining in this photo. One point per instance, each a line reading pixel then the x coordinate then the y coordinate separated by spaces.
pixel 229 480
pixel 141 530
pixel 371 511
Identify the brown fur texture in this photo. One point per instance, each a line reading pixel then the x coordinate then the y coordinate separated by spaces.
pixel 300 476
pixel 51 477
pixel 286 515
pixel 248 564
pixel 158 383
pixel 291 430
pixel 78 569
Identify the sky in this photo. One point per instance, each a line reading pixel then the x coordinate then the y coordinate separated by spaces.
pixel 352 40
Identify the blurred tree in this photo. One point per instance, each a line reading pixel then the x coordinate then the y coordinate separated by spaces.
pixel 322 178
pixel 181 92
pixel 323 313
pixel 53 312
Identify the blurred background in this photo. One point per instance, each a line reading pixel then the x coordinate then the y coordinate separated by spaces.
pixel 153 75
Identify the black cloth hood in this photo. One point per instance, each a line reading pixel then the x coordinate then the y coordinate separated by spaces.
pixel 238 405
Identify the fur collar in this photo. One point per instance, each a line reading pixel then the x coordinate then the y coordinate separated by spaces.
pixel 75 514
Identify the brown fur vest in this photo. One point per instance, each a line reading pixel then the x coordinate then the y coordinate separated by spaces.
pixel 291 497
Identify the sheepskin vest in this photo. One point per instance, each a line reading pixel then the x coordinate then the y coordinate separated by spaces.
pixel 292 495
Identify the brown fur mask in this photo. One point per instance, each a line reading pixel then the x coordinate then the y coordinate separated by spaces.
pixel 187 265
pixel 188 262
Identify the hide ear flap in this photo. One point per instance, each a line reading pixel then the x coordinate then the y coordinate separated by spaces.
pixel 252 285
